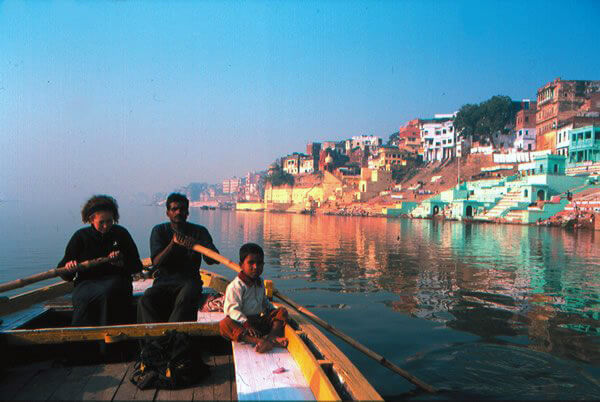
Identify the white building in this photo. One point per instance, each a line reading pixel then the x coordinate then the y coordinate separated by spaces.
pixel 291 164
pixel 372 141
pixel 503 141
pixel 307 164
pixel 438 137
pixel 524 139
pixel 563 139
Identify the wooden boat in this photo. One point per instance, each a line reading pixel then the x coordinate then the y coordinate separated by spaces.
pixel 34 336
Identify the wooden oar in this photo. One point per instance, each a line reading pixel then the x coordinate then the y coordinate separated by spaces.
pixel 52 273
pixel 302 310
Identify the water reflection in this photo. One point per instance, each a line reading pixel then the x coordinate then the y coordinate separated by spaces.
pixel 468 308
pixel 493 281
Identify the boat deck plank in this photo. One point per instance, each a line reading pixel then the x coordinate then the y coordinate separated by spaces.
pixel 223 375
pixel 127 391
pixel 16 379
pixel 43 385
pixel 186 394
pixel 42 381
pixel 72 386
pixel 103 384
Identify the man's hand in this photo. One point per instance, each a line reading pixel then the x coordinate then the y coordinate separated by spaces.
pixel 183 240
pixel 116 259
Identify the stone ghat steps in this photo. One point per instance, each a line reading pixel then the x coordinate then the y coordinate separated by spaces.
pixel 509 200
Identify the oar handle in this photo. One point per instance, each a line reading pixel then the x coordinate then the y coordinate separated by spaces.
pixel 302 310
pixel 216 256
pixel 52 273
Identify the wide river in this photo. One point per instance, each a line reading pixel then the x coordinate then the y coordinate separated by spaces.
pixel 478 310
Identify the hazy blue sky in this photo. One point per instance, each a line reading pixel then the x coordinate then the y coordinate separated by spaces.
pixel 123 97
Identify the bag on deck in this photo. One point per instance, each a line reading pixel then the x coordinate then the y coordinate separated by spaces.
pixel 169 362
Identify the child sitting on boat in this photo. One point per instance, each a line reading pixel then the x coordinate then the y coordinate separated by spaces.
pixel 249 315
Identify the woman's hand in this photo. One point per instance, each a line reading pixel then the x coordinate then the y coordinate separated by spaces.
pixel 71 266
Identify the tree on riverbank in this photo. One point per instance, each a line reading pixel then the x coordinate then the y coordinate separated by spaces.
pixel 278 177
pixel 483 120
pixel 393 139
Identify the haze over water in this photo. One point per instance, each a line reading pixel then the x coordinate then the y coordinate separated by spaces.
pixel 484 311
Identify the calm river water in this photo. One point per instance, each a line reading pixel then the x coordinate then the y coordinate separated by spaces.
pixel 480 311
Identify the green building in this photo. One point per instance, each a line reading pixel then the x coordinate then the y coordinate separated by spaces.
pixel 544 164
pixel 585 145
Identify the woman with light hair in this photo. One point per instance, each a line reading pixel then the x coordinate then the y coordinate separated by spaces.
pixel 102 294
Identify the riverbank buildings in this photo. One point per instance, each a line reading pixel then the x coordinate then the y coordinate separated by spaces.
pixel 524 129
pixel 584 149
pixel 438 137
pixel 409 137
pixel 558 101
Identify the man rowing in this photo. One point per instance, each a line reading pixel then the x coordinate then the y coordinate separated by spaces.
pixel 177 288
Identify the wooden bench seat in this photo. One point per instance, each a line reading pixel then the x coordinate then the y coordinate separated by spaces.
pixel 255 379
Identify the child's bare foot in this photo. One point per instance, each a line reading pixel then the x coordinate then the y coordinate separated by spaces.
pixel 263 346
pixel 282 342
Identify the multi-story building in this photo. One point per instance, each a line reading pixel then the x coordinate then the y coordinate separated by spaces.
pixel 307 164
pixel 585 145
pixel 389 158
pixel 252 178
pixel 313 148
pixel 338 146
pixel 438 137
pixel 563 138
pixel 372 183
pixel 291 163
pixel 524 131
pixel 558 101
pixel 231 186
pixel 362 142
pixel 583 119
pixel 409 138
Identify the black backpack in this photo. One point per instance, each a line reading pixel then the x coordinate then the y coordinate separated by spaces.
pixel 169 362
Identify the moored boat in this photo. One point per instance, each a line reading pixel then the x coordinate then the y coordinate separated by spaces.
pixel 35 338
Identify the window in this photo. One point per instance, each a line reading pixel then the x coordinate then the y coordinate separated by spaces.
pixel 588 135
pixel 529 147
pixel 574 137
pixel 526 119
pixel 597 135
